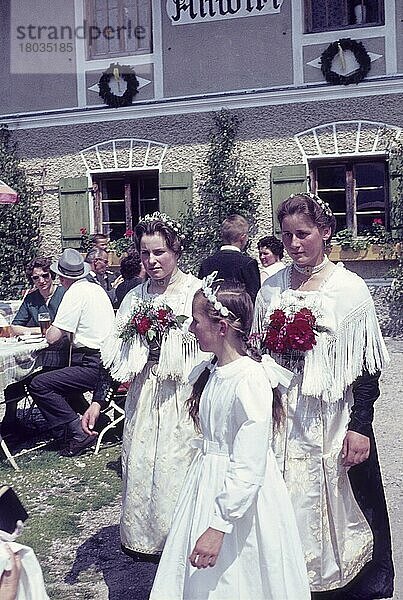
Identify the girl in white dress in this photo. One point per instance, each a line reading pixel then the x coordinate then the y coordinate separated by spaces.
pixel 234 535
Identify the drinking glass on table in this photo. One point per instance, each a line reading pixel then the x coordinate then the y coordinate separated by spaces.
pixel 44 322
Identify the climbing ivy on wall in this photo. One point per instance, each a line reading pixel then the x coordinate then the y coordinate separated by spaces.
pixel 227 188
pixel 19 223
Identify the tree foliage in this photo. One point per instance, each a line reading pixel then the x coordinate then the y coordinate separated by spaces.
pixel 19 223
pixel 396 210
pixel 227 188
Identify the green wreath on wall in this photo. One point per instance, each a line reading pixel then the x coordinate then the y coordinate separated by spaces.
pixel 118 72
pixel 338 47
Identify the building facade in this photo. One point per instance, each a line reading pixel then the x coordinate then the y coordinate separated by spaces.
pixel 102 168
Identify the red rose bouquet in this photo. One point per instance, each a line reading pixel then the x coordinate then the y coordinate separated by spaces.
pixel 294 331
pixel 150 319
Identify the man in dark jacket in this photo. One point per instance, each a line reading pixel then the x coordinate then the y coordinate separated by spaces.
pixel 229 261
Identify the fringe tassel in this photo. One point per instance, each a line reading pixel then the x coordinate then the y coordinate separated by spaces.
pixel 179 354
pixel 124 359
pixel 336 361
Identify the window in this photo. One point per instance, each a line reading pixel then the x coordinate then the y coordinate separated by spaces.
pixel 356 191
pixel 122 199
pixel 328 15
pixel 118 28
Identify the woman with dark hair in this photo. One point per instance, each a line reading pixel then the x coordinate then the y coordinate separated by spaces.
pixel 131 269
pixel 45 298
pixel 233 533
pixel 326 445
pixel 271 251
pixel 156 448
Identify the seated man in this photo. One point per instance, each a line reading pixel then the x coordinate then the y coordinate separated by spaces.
pixel 86 316
pixel 99 274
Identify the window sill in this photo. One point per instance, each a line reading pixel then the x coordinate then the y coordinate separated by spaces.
pixel 373 252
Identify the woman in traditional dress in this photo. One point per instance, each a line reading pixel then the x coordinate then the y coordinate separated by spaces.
pixel 326 447
pixel 156 448
pixel 234 535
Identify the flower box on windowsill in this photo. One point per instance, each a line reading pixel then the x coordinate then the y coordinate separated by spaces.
pixel 373 252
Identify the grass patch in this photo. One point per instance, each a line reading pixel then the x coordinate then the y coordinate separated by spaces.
pixel 56 491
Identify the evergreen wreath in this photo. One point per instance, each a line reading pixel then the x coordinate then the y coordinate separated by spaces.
pixel 360 54
pixel 128 75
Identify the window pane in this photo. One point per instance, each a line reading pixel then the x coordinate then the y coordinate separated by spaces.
pixel 370 200
pixel 148 187
pixel 114 211
pixel 331 177
pixel 131 27
pixel 341 222
pixel 370 174
pixel 336 200
pixel 116 230
pixel 325 15
pixel 336 15
pixel 113 189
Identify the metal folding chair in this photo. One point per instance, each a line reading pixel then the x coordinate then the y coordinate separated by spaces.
pixel 116 399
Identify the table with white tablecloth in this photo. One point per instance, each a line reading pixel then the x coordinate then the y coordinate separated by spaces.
pixel 18 359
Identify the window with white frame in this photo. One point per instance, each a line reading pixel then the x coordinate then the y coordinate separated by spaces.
pixel 356 190
pixel 121 199
pixel 328 15
pixel 118 28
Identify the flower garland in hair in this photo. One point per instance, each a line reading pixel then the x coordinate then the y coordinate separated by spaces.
pixel 151 319
pixel 164 218
pixel 210 294
pixel 175 225
pixel 324 205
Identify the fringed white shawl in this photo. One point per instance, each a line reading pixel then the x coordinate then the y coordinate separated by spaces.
pixel 179 352
pixel 352 340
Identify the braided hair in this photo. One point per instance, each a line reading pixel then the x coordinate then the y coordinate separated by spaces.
pixel 236 299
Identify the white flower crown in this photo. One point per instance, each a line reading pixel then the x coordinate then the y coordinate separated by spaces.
pixel 323 205
pixel 210 294
pixel 175 225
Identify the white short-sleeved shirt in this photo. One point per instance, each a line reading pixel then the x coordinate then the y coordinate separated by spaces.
pixel 86 311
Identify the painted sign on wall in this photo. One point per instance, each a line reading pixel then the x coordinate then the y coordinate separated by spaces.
pixel 185 12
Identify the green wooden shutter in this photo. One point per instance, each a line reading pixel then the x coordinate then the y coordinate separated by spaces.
pixel 396 224
pixel 175 192
pixel 74 210
pixel 286 180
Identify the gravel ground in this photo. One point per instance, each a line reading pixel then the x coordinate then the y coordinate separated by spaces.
pixel 96 569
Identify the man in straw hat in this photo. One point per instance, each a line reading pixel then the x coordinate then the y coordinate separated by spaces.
pixel 86 316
